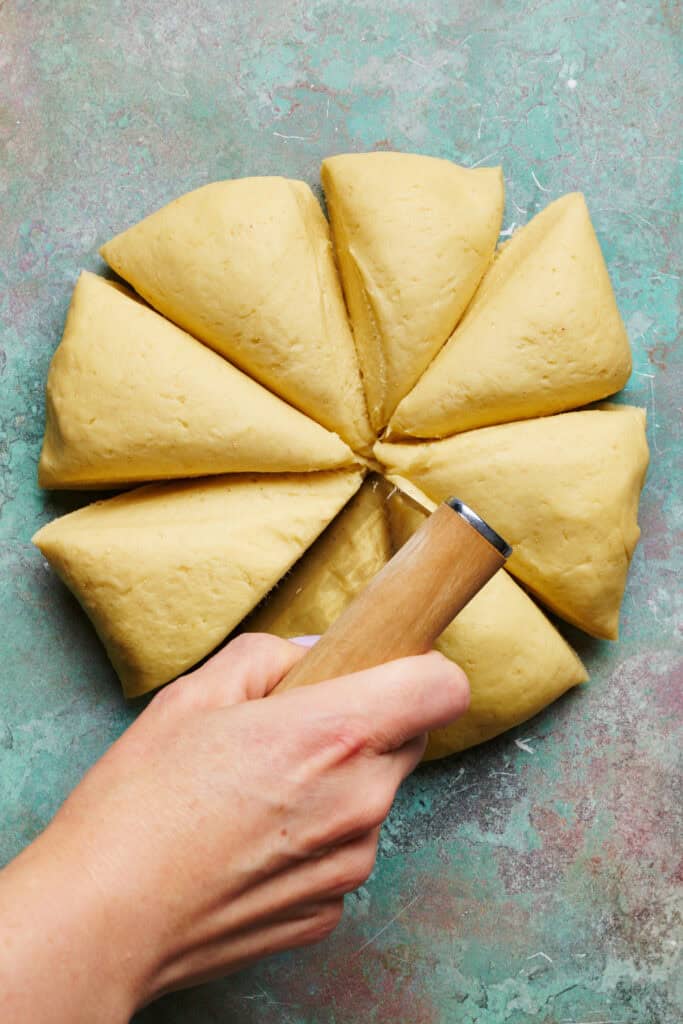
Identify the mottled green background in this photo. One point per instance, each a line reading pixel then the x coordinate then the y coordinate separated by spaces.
pixel 513 886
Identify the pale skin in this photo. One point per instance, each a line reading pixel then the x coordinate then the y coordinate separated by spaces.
pixel 220 828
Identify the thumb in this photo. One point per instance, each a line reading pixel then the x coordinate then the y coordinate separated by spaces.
pixel 245 669
pixel 393 702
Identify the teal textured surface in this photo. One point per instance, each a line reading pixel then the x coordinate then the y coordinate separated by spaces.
pixel 536 878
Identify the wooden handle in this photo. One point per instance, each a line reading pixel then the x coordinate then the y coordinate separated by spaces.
pixel 408 604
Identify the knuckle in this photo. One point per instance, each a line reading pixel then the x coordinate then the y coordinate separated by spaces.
pixel 162 698
pixel 310 840
pixel 253 644
pixel 328 917
pixel 376 805
pixel 322 922
pixel 343 877
pixel 365 865
pixel 171 696
pixel 352 872
pixel 345 734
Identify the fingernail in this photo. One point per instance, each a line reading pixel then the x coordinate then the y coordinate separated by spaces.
pixel 305 641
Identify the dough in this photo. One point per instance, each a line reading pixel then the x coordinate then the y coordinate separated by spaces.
pixel 342 561
pixel 562 490
pixel 167 571
pixel 131 397
pixel 543 334
pixel 247 267
pixel 450 340
pixel 516 661
pixel 413 236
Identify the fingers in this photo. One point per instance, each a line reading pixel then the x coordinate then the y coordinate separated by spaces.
pixel 347 867
pixel 245 669
pixel 384 707
pixel 322 876
pixel 229 952
pixel 310 924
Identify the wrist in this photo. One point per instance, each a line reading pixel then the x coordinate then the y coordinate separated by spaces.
pixel 66 945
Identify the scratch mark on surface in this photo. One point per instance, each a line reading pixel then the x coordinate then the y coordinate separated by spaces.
pixel 651 379
pixel 487 157
pixel 299 138
pixel 183 94
pixel 463 789
pixel 388 924
pixel 637 217
pixel 541 953
pixel 524 745
pixel 411 60
pixel 262 994
pixel 538 184
pixel 518 208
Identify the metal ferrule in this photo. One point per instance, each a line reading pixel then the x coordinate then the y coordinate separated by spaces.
pixel 487 532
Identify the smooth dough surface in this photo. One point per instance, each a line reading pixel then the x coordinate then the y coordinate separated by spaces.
pixel 247 267
pixel 131 397
pixel 563 490
pixel 516 661
pixel 413 236
pixel 167 571
pixel 542 335
pixel 353 549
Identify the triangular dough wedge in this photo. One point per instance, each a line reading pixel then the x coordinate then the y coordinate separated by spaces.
pixel 167 571
pixel 247 267
pixel 131 397
pixel 543 334
pixel 562 490
pixel 413 236
pixel 342 561
pixel 516 661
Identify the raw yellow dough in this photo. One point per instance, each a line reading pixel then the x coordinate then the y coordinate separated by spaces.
pixel 342 561
pixel 543 334
pixel 247 267
pixel 131 397
pixel 562 490
pixel 451 342
pixel 413 236
pixel 516 661
pixel 167 571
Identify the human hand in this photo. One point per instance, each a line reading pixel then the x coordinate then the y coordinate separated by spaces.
pixel 219 828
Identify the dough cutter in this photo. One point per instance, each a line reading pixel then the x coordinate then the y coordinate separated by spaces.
pixel 409 603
